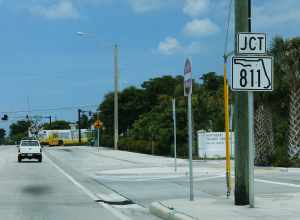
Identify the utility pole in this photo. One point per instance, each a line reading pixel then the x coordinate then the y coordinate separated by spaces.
pixel 116 119
pixel 79 126
pixel 50 120
pixel 242 131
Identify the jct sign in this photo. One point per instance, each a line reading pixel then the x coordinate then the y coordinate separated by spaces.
pixel 252 70
pixel 251 43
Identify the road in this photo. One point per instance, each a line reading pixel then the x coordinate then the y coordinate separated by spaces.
pixel 89 183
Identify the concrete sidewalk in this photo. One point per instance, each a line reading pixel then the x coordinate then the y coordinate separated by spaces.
pixel 267 207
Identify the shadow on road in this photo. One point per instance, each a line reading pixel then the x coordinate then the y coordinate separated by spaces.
pixel 37 190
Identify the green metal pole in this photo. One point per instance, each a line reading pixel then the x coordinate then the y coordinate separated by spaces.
pixel 241 119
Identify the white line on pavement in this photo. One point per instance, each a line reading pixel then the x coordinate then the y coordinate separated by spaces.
pixel 208 178
pixel 88 192
pixel 277 183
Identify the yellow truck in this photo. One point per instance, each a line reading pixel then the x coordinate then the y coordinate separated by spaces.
pixel 64 137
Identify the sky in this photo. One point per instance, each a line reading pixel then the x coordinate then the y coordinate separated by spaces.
pixel 45 65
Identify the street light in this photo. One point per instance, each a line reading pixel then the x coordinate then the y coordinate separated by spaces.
pixel 81 33
pixel 116 82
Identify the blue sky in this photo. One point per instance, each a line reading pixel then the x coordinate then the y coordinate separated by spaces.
pixel 42 58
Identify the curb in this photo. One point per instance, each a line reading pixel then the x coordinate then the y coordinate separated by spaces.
pixel 167 213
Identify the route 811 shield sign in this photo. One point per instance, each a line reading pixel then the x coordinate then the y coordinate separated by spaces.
pixel 251 73
pixel 188 78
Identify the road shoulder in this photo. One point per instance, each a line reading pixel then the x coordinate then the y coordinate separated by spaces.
pixel 278 206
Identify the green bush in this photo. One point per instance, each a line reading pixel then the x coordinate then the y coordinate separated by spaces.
pixel 138 146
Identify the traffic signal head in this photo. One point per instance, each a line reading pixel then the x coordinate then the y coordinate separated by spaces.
pixel 4 117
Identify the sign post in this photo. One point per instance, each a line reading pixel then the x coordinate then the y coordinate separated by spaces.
pixel 188 84
pixel 175 141
pixel 98 124
pixel 252 71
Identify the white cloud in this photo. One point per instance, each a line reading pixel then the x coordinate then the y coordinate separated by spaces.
pixel 195 7
pixel 141 6
pixel 198 28
pixel 63 9
pixel 169 46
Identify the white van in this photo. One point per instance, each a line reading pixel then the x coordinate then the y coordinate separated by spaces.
pixel 30 149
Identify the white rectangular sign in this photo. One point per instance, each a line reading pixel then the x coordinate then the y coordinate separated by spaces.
pixel 252 43
pixel 212 144
pixel 252 73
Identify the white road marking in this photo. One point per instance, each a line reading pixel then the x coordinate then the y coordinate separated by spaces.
pixel 112 197
pixel 150 178
pixel 131 206
pixel 157 178
pixel 132 178
pixel 208 178
pixel 277 183
pixel 115 212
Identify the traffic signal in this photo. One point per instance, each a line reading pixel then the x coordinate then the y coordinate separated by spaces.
pixel 4 118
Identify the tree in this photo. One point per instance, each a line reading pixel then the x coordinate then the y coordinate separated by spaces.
pixel 19 130
pixel 57 125
pixel 288 53
pixel 132 103
pixel 209 103
pixel 153 129
pixel 264 135
pixel 2 136
pixel 85 122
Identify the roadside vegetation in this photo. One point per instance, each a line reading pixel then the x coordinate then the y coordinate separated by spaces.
pixel 146 125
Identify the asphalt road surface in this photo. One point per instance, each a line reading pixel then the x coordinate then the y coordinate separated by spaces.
pixel 89 183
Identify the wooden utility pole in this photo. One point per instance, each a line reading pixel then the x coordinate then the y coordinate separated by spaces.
pixel 116 108
pixel 242 14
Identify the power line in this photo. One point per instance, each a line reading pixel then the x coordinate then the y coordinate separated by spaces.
pixel 49 109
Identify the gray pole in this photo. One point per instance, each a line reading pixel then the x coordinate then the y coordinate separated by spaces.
pixel 98 139
pixel 175 141
pixel 98 132
pixel 116 119
pixel 251 148
pixel 190 146
pixel 241 119
pixel 251 129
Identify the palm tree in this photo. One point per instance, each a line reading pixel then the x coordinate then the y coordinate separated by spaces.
pixel 288 54
pixel 264 134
